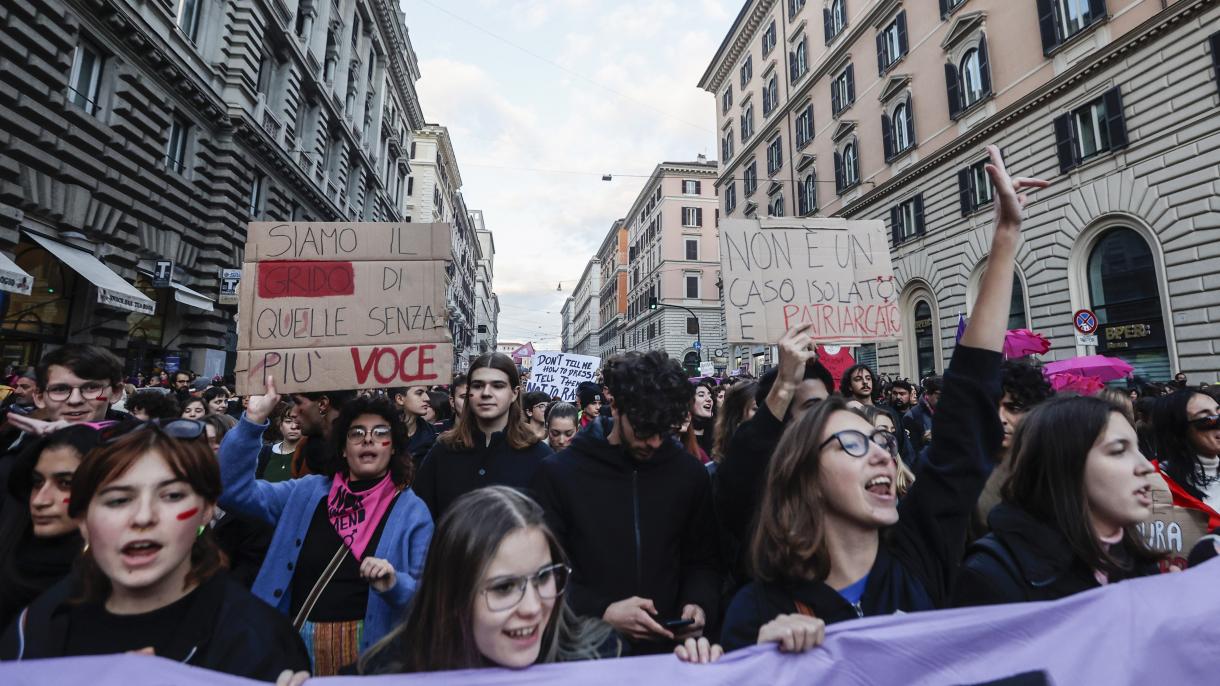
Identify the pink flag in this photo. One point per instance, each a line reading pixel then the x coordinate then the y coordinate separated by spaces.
pixel 1022 342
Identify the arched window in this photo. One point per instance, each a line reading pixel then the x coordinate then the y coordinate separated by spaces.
pixel 925 339
pixel 776 209
pixel 807 196
pixel 851 165
pixel 972 78
pixel 902 127
pixel 1123 292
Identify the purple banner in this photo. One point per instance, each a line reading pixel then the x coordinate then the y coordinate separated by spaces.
pixel 1146 631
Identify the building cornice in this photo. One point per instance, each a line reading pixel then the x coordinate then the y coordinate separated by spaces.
pixel 735 42
pixel 707 169
pixel 1031 104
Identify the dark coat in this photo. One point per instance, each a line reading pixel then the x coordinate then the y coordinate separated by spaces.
pixel 918 421
pixel 1025 559
pixel 918 558
pixel 227 630
pixel 632 528
pixel 739 482
pixel 421 441
pixel 447 474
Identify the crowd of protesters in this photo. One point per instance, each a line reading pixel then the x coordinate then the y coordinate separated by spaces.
pixel 421 528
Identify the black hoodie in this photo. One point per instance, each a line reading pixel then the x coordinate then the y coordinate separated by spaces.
pixel 447 473
pixel 632 528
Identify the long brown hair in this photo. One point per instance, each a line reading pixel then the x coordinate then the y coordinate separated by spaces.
pixel 789 542
pixel 438 633
pixel 190 460
pixel 730 415
pixel 461 436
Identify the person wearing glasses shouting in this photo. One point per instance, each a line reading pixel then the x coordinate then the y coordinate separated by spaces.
pixel 833 542
pixel 348 545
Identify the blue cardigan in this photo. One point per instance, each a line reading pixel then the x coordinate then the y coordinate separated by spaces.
pixel 289 506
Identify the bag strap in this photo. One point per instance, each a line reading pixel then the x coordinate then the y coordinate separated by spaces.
pixel 319 586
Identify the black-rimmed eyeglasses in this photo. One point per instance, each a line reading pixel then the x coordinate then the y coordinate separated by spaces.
pixel 856 443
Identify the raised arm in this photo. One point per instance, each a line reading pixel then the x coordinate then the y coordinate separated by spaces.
pixel 243 493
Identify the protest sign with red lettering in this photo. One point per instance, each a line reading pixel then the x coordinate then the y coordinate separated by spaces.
pixel 834 274
pixel 1170 528
pixel 335 306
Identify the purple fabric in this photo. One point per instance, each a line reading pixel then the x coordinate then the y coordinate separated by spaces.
pixel 1157 630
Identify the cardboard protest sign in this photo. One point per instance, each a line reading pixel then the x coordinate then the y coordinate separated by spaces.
pixel 335 306
pixel 558 374
pixel 834 274
pixel 1171 528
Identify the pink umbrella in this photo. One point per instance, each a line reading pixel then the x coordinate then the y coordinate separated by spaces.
pixel 1074 383
pixel 1097 366
pixel 1022 342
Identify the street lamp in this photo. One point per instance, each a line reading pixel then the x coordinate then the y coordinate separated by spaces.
pixel 654 304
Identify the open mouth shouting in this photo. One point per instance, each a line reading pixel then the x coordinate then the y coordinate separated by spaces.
pixel 881 487
pixel 140 553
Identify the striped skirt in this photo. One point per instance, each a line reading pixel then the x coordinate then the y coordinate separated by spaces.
pixel 332 645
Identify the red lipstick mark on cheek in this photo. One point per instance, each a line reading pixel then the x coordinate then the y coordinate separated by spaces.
pixel 385 444
pixel 183 516
pixel 67 500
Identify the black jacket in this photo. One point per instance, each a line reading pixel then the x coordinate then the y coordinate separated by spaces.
pixel 1025 559
pixel 421 441
pixel 447 474
pixel 739 478
pixel 918 557
pixel 227 630
pixel 632 528
pixel 918 421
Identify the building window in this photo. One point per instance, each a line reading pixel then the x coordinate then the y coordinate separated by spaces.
pixel 730 197
pixel 188 17
pixel 692 248
pixel 804 127
pixel 690 187
pixel 85 81
pixel 776 207
pixel 898 130
pixel 770 96
pixel 255 205
pixel 892 43
pixel 843 90
pixel 795 6
pixel 750 178
pixel 925 339
pixel 974 187
pixel 768 39
pixel 747 122
pixel 798 60
pixel 1060 20
pixel 1124 293
pixel 726 100
pixel 726 145
pixel 1213 42
pixel 834 19
pixel 747 71
pixel 775 155
pixel 807 195
pixel 175 148
pixel 847 167
pixel 410 186
pixel 969 81
pixel 947 6
pixel 692 325
pixel 692 286
pixel 906 220
pixel 1090 130
pixel 692 217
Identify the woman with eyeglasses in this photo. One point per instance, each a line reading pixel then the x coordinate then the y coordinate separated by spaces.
pixel 833 542
pixel 348 546
pixel 151 578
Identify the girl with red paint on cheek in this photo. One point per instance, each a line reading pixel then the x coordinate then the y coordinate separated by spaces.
pixel 152 578
pixel 39 542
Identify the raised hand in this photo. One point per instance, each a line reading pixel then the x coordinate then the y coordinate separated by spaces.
pixel 1010 195
pixel 259 407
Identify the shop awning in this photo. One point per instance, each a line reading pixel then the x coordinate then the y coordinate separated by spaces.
pixel 112 290
pixel 182 294
pixel 13 278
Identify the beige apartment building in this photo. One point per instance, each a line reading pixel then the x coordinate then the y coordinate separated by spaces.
pixel 881 109
pixel 612 257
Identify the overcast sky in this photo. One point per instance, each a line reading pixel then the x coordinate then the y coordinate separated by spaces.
pixel 610 88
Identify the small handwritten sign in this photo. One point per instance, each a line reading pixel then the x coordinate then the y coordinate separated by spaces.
pixel 558 374
pixel 334 306
pixel 833 274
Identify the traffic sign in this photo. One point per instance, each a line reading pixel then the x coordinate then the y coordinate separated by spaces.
pixel 1085 321
pixel 698 345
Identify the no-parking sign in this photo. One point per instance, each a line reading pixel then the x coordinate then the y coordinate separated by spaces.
pixel 1085 321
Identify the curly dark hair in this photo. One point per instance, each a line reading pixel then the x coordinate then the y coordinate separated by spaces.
pixel 1025 383
pixel 650 389
pixel 401 468
pixel 155 404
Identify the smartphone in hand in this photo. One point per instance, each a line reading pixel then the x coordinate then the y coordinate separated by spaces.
pixel 672 624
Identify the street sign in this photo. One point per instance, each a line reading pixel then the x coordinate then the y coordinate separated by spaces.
pixel 698 345
pixel 229 280
pixel 1085 321
pixel 1086 339
pixel 163 274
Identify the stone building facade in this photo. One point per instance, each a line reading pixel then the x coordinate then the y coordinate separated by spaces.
pixel 137 132
pixel 881 109
pixel 612 300
pixel 487 303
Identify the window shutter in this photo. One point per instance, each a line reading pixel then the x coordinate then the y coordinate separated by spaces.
pixel 791 66
pixel 835 106
pixel 984 66
pixel 1065 142
pixel 1115 120
pixel 902 33
pixel 887 136
pixel 910 122
pixel 951 87
pixel 1214 41
pixel 881 61
pixel 826 24
pixel 1046 26
pixel 944 8
pixel 698 216
pixel 964 193
pixel 699 184
pixel 851 84
pixel 1097 10
pixel 919 226
pixel 838 173
pixel 895 227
